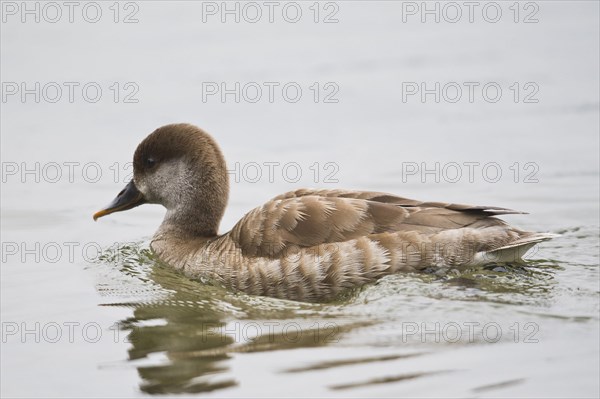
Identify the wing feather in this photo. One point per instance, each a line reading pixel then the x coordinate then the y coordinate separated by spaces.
pixel 306 218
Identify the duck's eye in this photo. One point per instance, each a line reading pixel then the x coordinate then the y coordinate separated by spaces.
pixel 150 162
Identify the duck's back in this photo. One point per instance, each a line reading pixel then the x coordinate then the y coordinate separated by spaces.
pixel 311 244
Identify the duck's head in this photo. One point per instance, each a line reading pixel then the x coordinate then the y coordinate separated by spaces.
pixel 182 168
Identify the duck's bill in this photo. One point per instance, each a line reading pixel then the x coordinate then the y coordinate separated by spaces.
pixel 128 198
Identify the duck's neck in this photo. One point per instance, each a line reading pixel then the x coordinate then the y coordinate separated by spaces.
pixel 198 214
pixel 189 225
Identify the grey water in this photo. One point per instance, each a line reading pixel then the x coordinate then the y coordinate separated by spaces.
pixel 86 309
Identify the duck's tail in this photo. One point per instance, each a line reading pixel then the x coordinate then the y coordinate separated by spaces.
pixel 514 251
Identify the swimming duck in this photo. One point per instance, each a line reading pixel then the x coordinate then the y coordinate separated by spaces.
pixel 305 245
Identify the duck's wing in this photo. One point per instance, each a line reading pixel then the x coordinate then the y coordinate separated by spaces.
pixel 394 199
pixel 306 218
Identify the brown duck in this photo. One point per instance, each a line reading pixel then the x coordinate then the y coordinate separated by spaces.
pixel 306 244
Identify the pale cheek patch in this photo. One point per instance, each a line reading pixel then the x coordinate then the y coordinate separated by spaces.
pixel 168 184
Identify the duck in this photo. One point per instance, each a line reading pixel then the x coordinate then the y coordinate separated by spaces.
pixel 304 245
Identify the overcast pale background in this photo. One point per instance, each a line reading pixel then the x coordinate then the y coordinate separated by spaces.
pixel 364 131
